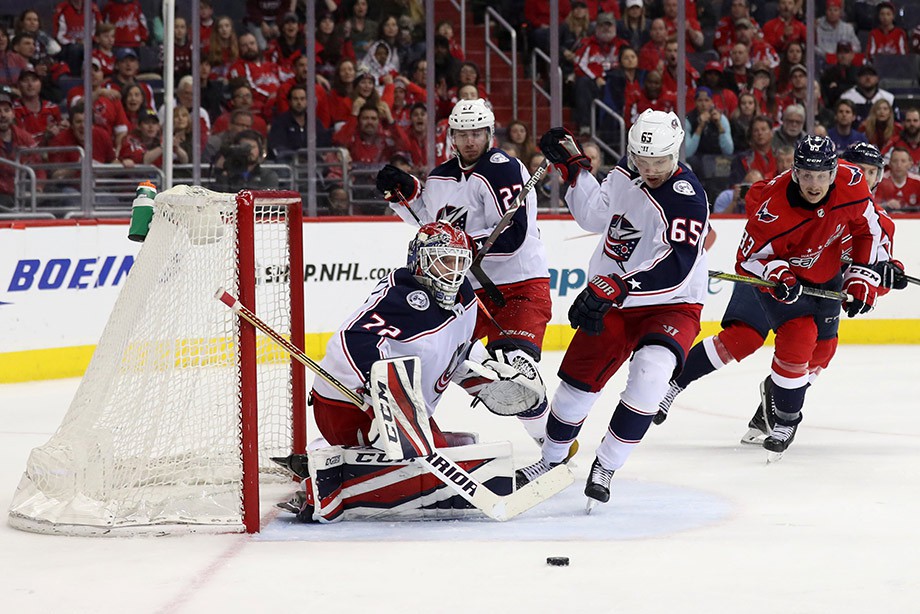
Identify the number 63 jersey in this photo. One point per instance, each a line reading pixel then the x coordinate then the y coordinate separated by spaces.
pixel 652 238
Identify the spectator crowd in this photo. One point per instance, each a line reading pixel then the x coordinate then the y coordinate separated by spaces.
pixel 746 99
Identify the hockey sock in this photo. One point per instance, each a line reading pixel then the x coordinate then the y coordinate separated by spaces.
pixel 567 413
pixel 787 404
pixel 697 365
pixel 534 420
pixel 626 429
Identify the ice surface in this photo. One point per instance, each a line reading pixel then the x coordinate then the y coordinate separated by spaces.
pixel 697 521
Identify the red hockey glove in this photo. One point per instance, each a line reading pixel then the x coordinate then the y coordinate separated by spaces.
pixel 861 283
pixel 563 151
pixel 589 308
pixel 787 289
pixel 390 179
pixel 892 274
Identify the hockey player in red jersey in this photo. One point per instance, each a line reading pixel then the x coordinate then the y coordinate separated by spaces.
pixel 648 280
pixel 473 190
pixel 795 236
pixel 744 322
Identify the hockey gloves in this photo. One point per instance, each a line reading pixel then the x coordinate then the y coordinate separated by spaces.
pixel 390 179
pixel 861 284
pixel 787 289
pixel 892 274
pixel 589 308
pixel 563 151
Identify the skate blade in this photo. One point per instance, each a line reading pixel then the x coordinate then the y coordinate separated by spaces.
pixel 590 505
pixel 753 437
pixel 774 457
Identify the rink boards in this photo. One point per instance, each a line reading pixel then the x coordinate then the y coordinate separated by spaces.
pixel 59 281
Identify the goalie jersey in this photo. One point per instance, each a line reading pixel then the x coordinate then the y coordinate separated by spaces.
pixel 652 238
pixel 399 318
pixel 475 200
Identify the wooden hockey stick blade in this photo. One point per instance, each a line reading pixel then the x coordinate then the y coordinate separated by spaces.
pixel 756 281
pixel 497 507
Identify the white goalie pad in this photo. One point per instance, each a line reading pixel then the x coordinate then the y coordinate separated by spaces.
pixel 363 484
pixel 513 383
pixel 399 408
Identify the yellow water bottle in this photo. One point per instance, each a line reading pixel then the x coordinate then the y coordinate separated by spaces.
pixel 142 211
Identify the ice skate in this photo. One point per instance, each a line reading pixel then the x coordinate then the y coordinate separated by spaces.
pixel 295 463
pixel 528 474
pixel 598 487
pixel 665 404
pixel 764 418
pixel 779 439
pixel 295 503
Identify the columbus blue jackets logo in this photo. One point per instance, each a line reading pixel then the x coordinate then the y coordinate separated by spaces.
pixel 764 215
pixel 455 216
pixel 622 239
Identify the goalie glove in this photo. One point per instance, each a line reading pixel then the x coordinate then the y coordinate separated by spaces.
pixel 390 179
pixel 563 151
pixel 787 289
pixel 861 284
pixel 892 274
pixel 590 307
pixel 512 384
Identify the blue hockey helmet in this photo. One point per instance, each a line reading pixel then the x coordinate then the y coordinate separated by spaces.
pixel 863 153
pixel 815 153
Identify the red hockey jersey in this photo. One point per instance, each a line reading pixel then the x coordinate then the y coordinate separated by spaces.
pixel 783 226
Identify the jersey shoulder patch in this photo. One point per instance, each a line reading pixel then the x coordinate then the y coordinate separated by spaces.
pixel 684 187
pixel 499 157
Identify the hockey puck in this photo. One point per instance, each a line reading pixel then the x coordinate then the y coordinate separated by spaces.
pixel 557 561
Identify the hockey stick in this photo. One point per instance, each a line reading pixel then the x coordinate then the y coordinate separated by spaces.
pixel 913 280
pixel 497 507
pixel 476 268
pixel 756 281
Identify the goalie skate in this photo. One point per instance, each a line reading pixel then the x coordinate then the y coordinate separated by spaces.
pixel 764 419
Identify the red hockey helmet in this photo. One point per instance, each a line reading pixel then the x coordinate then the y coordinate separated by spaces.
pixel 439 257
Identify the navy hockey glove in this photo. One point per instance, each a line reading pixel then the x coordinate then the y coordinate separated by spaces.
pixel 590 307
pixel 892 274
pixel 390 178
pixel 787 289
pixel 861 283
pixel 563 151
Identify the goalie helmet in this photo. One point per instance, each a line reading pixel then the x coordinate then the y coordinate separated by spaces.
pixel 439 257
pixel 655 134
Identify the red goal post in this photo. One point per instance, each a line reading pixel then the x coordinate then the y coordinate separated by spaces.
pixel 183 403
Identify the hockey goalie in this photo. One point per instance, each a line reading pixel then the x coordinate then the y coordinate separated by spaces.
pixel 399 351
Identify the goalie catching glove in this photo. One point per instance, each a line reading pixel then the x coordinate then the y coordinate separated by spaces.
pixel 507 385
pixel 590 307
pixel 563 151
pixel 390 179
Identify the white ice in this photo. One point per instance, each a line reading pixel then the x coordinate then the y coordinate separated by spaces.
pixel 697 521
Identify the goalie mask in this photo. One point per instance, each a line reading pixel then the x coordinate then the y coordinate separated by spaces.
pixel 439 257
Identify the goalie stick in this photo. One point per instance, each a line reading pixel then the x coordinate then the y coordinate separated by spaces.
pixel 476 268
pixel 756 281
pixel 496 507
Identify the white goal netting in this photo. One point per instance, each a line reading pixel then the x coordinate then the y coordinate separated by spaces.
pixel 152 439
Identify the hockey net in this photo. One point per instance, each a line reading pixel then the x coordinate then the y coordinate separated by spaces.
pixel 160 436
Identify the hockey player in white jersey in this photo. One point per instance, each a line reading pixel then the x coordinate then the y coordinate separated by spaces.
pixel 648 280
pixel 428 310
pixel 473 190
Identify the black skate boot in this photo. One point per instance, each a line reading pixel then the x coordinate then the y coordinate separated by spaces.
pixel 295 463
pixel 526 475
pixel 295 503
pixel 780 438
pixel 764 418
pixel 665 404
pixel 598 487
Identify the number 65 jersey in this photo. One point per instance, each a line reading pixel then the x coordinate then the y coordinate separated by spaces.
pixel 652 238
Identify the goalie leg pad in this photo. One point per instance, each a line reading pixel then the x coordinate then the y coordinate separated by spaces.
pixel 363 484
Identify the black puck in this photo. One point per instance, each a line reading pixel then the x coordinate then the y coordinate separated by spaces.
pixel 557 561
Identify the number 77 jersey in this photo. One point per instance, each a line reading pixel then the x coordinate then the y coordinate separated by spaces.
pixel 652 237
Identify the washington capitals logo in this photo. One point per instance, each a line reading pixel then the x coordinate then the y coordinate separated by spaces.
pixel 622 239
pixel 765 216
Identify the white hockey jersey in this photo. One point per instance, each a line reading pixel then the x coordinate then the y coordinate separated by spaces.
pixel 475 201
pixel 399 318
pixel 652 238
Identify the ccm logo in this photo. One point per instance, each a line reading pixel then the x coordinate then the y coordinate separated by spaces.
pixel 389 425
